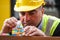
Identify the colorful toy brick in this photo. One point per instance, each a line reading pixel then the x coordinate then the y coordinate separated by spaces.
pixel 18 31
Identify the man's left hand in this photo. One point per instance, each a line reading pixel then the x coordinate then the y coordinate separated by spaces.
pixel 33 31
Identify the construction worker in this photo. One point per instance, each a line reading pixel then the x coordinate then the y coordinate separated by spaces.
pixel 35 22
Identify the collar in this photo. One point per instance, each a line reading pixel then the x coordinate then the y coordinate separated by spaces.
pixel 40 25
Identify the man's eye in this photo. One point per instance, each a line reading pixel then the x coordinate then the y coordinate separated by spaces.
pixel 31 13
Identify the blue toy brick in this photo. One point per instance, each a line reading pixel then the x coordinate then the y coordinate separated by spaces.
pixel 21 30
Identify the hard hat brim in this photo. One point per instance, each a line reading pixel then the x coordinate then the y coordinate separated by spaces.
pixel 26 8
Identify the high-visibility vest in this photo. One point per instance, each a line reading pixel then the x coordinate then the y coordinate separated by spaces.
pixel 49 24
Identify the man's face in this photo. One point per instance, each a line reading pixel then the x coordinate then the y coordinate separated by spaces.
pixel 31 18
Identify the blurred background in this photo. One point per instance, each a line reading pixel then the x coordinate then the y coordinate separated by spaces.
pixel 52 7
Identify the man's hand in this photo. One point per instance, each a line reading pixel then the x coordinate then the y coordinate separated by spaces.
pixel 9 24
pixel 33 31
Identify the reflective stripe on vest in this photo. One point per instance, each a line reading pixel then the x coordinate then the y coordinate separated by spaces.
pixel 54 26
pixel 49 24
pixel 44 23
pixel 48 27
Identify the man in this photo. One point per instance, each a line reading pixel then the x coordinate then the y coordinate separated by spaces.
pixel 35 22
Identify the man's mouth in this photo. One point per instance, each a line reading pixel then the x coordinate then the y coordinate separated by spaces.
pixel 26 24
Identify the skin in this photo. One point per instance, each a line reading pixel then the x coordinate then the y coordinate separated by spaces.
pixel 29 19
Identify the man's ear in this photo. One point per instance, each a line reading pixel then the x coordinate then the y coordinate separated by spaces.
pixel 42 10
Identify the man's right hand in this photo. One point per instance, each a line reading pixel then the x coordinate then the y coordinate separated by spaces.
pixel 9 24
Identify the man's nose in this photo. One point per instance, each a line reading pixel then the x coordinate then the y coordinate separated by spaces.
pixel 27 17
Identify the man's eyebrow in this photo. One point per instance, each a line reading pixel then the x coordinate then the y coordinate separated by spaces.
pixel 32 10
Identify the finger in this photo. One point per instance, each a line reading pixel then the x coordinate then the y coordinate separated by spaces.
pixel 14 19
pixel 9 22
pixel 26 28
pixel 33 34
pixel 31 31
pixel 37 34
pixel 13 22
